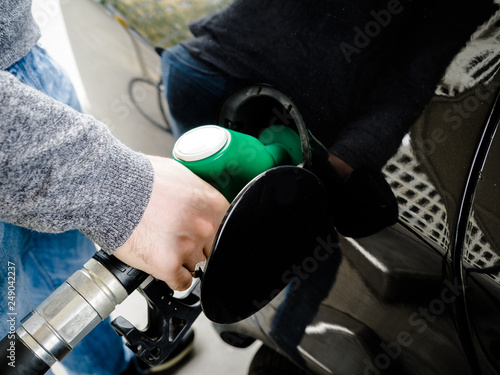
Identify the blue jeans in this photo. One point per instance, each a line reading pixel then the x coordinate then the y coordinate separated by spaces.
pixel 44 261
pixel 193 89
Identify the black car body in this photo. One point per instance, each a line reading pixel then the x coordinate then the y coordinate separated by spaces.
pixel 422 296
pixel 419 297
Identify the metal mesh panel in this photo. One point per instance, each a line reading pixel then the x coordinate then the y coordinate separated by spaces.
pixel 422 209
pixel 420 205
pixel 478 252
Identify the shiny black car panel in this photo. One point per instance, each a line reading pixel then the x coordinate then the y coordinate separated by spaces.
pixel 480 251
pixel 421 297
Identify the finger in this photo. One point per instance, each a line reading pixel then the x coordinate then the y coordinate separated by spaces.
pixel 207 250
pixel 209 244
pixel 190 265
pixel 171 271
pixel 181 281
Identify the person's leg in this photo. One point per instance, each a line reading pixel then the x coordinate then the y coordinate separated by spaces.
pixel 39 71
pixel 193 89
pixel 47 260
pixel 303 298
pixel 16 299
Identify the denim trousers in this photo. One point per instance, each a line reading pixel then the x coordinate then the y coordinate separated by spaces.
pixel 193 90
pixel 41 261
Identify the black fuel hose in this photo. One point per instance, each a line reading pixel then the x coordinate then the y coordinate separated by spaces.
pixel 17 359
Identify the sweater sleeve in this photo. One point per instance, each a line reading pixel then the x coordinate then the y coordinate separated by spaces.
pixel 62 170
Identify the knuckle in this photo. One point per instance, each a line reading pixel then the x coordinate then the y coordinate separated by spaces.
pixel 206 229
pixel 186 248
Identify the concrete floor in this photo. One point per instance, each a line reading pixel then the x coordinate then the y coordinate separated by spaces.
pixel 100 56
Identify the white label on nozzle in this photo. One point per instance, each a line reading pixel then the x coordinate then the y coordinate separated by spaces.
pixel 201 143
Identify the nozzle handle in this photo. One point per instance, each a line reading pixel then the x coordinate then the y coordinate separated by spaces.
pixel 131 278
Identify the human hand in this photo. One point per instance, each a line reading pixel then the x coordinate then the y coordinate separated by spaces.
pixel 178 227
pixel 360 201
pixel 342 169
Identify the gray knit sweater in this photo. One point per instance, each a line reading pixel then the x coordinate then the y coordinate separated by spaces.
pixel 59 169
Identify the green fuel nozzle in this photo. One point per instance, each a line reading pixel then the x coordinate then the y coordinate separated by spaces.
pixel 228 160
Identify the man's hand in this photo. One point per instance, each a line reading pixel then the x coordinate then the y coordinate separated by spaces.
pixel 178 227
pixel 342 169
